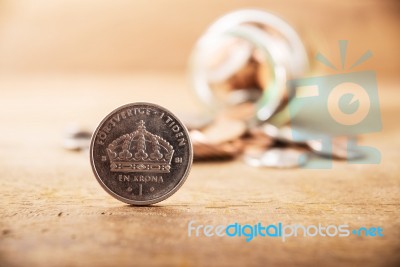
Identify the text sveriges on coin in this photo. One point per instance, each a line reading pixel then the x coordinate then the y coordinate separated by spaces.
pixel 114 120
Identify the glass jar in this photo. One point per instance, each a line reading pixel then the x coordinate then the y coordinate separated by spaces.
pixel 242 64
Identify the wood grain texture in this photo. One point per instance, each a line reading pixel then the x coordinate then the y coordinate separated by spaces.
pixel 54 213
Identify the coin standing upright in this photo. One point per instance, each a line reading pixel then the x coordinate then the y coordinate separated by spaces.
pixel 141 153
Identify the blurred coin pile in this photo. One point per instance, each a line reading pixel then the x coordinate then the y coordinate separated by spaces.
pixel 225 138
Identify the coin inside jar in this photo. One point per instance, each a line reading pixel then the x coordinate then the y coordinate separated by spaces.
pixel 141 153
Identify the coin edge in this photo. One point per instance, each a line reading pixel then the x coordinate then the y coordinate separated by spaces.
pixel 138 202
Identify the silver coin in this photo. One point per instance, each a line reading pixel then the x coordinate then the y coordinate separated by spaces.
pixel 76 144
pixel 196 121
pixel 283 134
pixel 277 158
pixel 223 130
pixel 339 147
pixel 76 138
pixel 141 153
pixel 203 150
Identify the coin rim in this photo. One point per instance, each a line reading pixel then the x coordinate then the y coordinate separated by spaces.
pixel 140 202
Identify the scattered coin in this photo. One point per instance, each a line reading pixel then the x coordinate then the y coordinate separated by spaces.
pixel 342 147
pixel 141 153
pixel 258 139
pixel 242 112
pixel 223 130
pixel 277 158
pixel 205 151
pixel 283 134
pixel 76 138
pixel 194 121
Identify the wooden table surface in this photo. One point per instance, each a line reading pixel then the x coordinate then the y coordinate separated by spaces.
pixel 54 213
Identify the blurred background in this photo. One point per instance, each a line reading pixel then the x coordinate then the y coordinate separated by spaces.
pixel 124 36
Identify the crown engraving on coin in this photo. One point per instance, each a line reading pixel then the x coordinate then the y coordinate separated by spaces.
pixel 140 151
